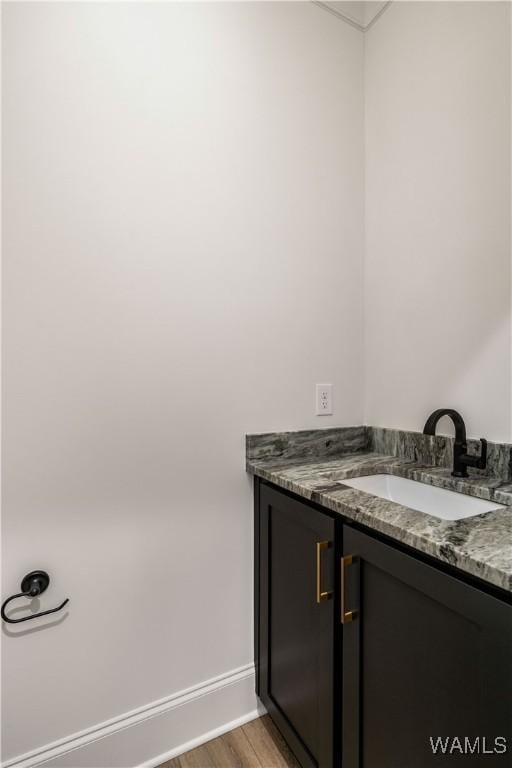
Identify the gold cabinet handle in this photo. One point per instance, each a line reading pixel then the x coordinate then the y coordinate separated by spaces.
pixel 346 616
pixel 321 596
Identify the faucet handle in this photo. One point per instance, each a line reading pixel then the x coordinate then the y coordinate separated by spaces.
pixel 482 462
pixel 479 462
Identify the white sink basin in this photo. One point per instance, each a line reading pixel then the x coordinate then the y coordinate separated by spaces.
pixel 447 505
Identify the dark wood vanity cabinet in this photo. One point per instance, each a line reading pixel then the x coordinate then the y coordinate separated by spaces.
pixel 420 654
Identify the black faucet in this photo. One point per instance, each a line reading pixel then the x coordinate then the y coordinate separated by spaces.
pixel 461 459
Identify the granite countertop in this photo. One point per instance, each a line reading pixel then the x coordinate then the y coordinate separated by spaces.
pixel 313 464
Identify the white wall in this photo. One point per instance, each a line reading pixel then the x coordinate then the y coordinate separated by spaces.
pixel 437 271
pixel 183 234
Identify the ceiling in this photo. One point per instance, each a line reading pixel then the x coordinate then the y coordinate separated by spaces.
pixel 361 14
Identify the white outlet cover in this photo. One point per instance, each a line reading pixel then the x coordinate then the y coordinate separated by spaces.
pixel 324 399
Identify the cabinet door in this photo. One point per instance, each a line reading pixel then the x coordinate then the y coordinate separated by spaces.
pixel 296 623
pixel 427 656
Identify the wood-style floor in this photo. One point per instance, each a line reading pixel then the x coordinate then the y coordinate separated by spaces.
pixel 257 744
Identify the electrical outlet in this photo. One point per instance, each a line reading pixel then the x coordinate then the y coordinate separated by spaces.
pixel 324 399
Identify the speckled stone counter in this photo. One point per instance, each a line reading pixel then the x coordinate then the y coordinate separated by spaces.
pixel 313 464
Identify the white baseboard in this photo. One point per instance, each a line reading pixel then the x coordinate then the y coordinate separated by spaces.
pixel 155 762
pixel 156 732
